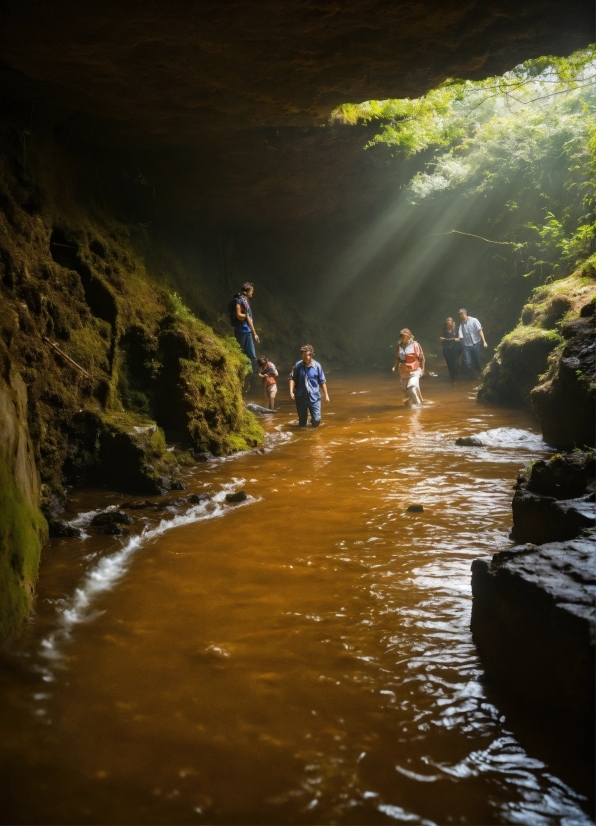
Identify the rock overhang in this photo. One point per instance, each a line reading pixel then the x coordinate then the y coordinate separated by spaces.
pixel 170 72
pixel 224 107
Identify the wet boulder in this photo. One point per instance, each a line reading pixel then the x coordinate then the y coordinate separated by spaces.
pixel 547 361
pixel 521 357
pixel 58 527
pixel 111 522
pixel 565 404
pixel 501 437
pixel 125 452
pixel 555 501
pixel 533 622
pixel 206 456
pixel 198 498
pixel 238 496
pixel 259 409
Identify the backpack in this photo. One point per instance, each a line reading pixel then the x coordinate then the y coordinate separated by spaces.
pixel 407 365
pixel 232 309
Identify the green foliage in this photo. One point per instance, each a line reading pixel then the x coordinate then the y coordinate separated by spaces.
pixel 179 309
pixel 457 109
pixel 528 139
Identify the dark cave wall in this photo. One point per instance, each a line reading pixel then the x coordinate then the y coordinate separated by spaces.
pixel 92 340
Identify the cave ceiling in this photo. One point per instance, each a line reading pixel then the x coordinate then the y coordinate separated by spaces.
pixel 226 104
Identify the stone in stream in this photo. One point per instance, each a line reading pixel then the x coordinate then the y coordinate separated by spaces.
pixel 197 498
pixel 415 508
pixel 113 530
pixel 239 496
pixel 109 519
pixel 59 528
pixel 204 457
pixel 259 409
pixel 533 621
pixel 138 505
pixel 502 437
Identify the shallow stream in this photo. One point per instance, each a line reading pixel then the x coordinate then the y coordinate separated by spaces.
pixel 303 657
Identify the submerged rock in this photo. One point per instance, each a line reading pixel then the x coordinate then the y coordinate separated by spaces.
pixel 239 496
pixel 197 498
pixel 111 522
pixel 415 508
pixel 59 528
pixel 108 518
pixel 138 505
pixel 533 621
pixel 206 456
pixel 502 437
pixel 259 409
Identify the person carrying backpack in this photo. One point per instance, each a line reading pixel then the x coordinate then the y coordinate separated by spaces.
pixel 241 320
pixel 409 362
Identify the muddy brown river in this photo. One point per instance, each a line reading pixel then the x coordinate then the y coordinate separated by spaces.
pixel 303 657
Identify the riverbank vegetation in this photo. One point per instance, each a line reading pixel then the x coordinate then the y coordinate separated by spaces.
pixel 502 192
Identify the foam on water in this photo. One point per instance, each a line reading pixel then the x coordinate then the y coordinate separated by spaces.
pixel 106 573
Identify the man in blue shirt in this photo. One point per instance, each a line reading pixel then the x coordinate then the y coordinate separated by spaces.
pixel 306 380
pixel 471 335
pixel 244 329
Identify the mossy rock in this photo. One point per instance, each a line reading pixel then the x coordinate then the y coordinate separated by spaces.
pixel 199 391
pixel 531 353
pixel 23 531
pixel 124 451
pixel 521 358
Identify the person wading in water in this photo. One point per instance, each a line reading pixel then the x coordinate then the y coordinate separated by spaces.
pixel 307 379
pixel 451 346
pixel 409 362
pixel 471 335
pixel 241 319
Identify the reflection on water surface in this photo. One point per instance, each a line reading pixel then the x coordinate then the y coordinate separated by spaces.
pixel 302 658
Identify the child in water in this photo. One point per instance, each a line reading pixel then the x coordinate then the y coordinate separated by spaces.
pixel 268 373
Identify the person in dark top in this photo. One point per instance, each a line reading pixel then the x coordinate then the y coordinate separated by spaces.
pixel 306 380
pixel 451 346
pixel 244 329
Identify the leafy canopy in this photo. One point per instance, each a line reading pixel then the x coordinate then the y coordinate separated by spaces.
pixel 530 134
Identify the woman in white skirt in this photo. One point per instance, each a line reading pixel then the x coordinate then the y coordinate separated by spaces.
pixel 409 363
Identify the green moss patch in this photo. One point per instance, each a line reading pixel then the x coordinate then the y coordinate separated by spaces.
pixel 23 531
pixel 531 351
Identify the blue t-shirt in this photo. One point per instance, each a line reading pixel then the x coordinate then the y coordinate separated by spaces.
pixel 308 379
pixel 242 326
